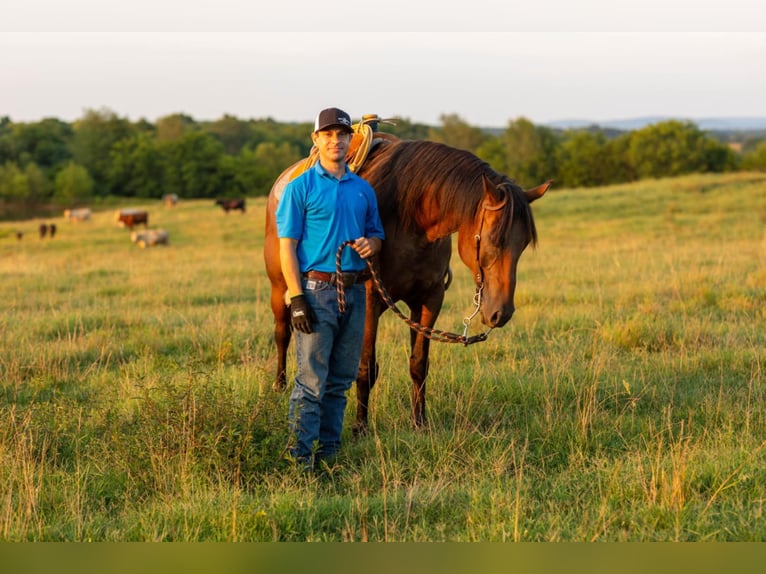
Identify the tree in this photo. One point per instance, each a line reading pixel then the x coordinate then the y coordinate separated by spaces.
pixel 404 128
pixel 137 168
pixel 45 143
pixel 457 133
pixel 94 136
pixel 756 159
pixel 256 170
pixel 617 153
pixel 174 127
pixel 674 148
pixel 14 183
pixel 7 143
pixel 494 153
pixel 531 151
pixel 231 132
pixel 40 187
pixel 73 184
pixel 193 166
pixel 583 159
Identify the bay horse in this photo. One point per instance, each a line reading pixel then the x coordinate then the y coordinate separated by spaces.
pixel 426 192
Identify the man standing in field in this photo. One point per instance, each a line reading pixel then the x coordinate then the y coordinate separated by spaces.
pixel 320 210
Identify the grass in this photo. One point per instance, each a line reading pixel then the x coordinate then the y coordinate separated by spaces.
pixel 624 402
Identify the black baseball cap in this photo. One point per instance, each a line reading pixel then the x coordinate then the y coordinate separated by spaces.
pixel 333 117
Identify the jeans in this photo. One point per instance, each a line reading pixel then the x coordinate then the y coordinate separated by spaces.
pixel 328 361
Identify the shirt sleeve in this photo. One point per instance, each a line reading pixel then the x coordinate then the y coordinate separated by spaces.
pixel 290 211
pixel 373 225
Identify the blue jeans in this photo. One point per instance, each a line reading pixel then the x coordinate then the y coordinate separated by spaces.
pixel 328 361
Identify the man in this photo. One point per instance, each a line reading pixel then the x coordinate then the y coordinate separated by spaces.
pixel 320 210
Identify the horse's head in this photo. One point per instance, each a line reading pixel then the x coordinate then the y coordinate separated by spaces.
pixel 502 229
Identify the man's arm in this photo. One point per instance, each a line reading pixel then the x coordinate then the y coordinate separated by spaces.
pixel 290 268
pixel 301 314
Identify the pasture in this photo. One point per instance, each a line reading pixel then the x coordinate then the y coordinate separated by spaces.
pixel 623 402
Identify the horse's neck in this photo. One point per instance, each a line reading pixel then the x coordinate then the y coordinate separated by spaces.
pixel 440 230
pixel 436 227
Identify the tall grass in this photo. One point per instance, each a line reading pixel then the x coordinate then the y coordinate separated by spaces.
pixel 625 400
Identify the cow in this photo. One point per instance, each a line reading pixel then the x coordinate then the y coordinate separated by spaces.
pixel 150 237
pixel 170 199
pixel 131 217
pixel 52 230
pixel 230 204
pixel 43 230
pixel 76 215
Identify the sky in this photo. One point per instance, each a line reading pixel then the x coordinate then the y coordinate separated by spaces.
pixel 487 61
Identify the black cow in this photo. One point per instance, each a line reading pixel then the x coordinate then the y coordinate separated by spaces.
pixel 230 204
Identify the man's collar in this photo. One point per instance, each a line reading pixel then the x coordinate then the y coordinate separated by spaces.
pixel 322 171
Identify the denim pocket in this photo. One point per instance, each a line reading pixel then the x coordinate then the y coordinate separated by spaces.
pixel 314 285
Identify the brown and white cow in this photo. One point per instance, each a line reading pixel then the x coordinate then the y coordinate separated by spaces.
pixel 75 215
pixel 131 217
pixel 150 237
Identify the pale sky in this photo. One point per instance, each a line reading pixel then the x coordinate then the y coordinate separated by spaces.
pixel 489 62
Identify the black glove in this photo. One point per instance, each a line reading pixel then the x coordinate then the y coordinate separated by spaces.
pixel 301 314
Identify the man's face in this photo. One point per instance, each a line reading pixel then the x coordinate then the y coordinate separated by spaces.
pixel 332 143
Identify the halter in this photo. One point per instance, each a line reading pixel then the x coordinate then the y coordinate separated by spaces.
pixel 479 277
pixel 430 332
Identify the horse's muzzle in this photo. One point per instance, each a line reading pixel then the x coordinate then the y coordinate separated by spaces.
pixel 499 318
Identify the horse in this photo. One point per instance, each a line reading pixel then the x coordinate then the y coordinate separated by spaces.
pixel 426 191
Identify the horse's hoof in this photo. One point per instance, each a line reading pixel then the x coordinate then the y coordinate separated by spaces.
pixel 279 386
pixel 360 430
pixel 420 423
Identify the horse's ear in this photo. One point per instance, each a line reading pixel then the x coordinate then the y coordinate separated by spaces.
pixel 491 190
pixel 537 192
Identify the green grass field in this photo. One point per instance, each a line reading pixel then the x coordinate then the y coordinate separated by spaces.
pixel 624 401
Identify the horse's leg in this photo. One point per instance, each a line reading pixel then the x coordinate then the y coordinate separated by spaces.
pixel 418 372
pixel 420 345
pixel 368 365
pixel 282 334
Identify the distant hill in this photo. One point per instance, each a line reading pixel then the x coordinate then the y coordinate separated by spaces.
pixel 712 124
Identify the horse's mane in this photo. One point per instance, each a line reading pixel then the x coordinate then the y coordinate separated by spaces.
pixel 403 172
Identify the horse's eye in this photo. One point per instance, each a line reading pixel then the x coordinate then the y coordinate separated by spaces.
pixel 488 257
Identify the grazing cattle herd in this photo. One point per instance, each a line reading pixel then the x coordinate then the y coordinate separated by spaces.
pixel 130 218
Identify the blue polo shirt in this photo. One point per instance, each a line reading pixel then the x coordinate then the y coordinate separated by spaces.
pixel 322 212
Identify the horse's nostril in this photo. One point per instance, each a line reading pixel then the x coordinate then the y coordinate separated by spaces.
pixel 499 318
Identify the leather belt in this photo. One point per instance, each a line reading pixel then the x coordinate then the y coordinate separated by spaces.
pixel 348 279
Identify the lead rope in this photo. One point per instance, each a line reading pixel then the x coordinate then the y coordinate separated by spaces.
pixel 429 332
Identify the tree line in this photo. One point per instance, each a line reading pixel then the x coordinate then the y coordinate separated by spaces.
pixel 103 155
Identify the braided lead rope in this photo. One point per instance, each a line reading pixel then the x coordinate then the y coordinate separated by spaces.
pixel 428 332
pixel 339 286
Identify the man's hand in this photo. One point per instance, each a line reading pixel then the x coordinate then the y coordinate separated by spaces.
pixel 367 247
pixel 301 314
